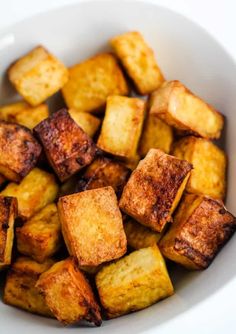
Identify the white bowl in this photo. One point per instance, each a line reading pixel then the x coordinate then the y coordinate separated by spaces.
pixel 185 52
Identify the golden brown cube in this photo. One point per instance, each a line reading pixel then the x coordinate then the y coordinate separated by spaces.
pixel 134 282
pixel 92 226
pixel 156 134
pixel 209 166
pixel 40 236
pixel 122 126
pixel 86 121
pixel 92 81
pixel 139 61
pixel 8 213
pixel 20 290
pixel 22 113
pixel 67 146
pixel 35 191
pixel 68 294
pixel 179 107
pixel 37 75
pixel 201 227
pixel 154 189
pixel 19 151
pixel 139 236
pixel 104 172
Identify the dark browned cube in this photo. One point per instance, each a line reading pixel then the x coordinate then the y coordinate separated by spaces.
pixel 202 225
pixel 104 172
pixel 67 146
pixel 19 151
pixel 154 189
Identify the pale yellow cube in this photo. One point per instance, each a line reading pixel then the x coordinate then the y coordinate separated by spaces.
pixel 139 61
pixel 37 75
pixel 122 126
pixel 40 236
pixel 176 105
pixel 92 81
pixel 156 134
pixel 86 121
pixel 134 282
pixel 139 236
pixel 209 166
pixel 22 113
pixel 35 191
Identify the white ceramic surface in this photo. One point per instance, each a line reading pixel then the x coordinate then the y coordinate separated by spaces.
pixel 185 52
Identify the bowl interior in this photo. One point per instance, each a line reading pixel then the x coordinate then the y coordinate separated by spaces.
pixel 185 52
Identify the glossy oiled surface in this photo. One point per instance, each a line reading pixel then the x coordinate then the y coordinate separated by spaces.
pixel 184 52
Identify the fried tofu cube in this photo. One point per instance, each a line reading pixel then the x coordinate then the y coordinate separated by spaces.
pixel 92 226
pixel 86 121
pixel 104 172
pixel 8 213
pixel 68 294
pixel 134 282
pixel 139 236
pixel 20 290
pixel 156 134
pixel 154 189
pixel 40 236
pixel 35 191
pixel 139 61
pixel 23 114
pixel 37 75
pixel 179 107
pixel 67 146
pixel 202 225
pixel 209 166
pixel 92 81
pixel 122 126
pixel 19 151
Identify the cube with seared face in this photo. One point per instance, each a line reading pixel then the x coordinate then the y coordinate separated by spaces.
pixel 92 226
pixel 201 227
pixel 154 189
pixel 104 172
pixel 19 151
pixel 67 146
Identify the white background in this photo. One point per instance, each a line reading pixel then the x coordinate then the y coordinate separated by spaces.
pixel 218 18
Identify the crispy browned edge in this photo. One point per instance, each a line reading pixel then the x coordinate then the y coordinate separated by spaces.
pixel 80 155
pixel 8 207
